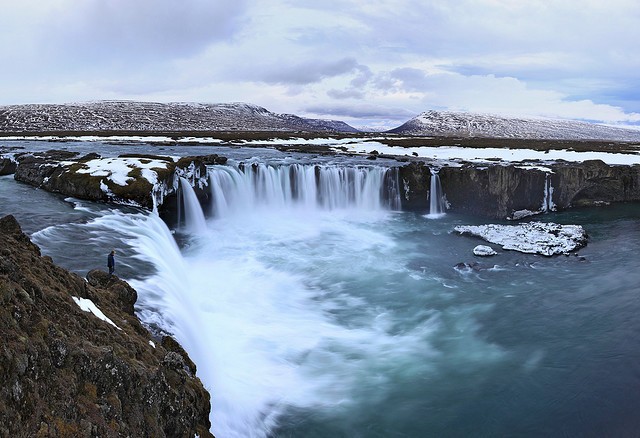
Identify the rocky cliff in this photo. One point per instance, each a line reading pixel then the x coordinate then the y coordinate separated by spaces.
pixel 496 190
pixel 140 180
pixel 76 362
pixel 512 191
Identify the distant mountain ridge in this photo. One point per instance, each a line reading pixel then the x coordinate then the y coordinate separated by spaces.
pixel 148 116
pixel 462 124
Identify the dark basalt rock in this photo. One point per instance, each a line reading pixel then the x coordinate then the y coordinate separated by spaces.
pixel 7 166
pixel 66 373
pixel 499 190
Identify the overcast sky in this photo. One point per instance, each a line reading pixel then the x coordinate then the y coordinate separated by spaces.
pixel 368 62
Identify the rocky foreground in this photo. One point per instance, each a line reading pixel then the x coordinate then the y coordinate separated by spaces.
pixel 76 362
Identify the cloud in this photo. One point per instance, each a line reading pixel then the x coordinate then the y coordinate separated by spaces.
pixel 347 58
pixel 362 111
pixel 146 28
pixel 96 34
pixel 309 72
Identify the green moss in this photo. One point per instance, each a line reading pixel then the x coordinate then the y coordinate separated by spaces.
pixel 135 172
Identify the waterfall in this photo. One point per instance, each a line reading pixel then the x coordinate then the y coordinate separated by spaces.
pixel 253 306
pixel 193 215
pixel 436 199
pixel 241 189
pixel 547 200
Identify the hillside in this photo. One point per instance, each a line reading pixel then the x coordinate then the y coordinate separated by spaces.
pixel 460 124
pixel 146 116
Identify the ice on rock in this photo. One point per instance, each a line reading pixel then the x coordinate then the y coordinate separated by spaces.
pixel 546 238
pixel 484 251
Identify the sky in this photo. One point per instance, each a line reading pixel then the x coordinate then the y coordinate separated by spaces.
pixel 373 63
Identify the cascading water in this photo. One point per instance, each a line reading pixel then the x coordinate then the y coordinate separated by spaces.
pixel 252 301
pixel 437 203
pixel 302 186
pixel 547 201
pixel 193 215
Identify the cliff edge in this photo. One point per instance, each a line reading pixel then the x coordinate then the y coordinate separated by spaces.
pixel 76 362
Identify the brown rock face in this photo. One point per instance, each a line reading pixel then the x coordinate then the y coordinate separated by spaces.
pixel 62 172
pixel 67 373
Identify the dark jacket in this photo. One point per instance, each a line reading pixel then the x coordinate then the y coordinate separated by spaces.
pixel 111 261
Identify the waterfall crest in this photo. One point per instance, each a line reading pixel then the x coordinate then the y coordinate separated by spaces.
pixel 241 189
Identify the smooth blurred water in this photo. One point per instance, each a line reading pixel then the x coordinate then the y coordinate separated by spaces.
pixel 354 322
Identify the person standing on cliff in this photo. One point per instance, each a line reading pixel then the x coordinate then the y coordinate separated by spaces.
pixel 111 262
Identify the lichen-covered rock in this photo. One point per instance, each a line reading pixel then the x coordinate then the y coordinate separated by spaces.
pixel 119 291
pixel 68 372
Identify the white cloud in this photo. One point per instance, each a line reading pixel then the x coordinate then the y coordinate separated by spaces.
pixel 565 58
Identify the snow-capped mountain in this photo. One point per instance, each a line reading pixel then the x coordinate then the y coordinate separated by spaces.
pixel 146 116
pixel 461 124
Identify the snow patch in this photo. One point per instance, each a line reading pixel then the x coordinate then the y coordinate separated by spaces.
pixel 118 169
pixel 87 305
pixel 484 251
pixel 532 158
pixel 544 238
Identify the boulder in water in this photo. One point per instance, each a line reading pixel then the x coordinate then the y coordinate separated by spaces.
pixel 484 251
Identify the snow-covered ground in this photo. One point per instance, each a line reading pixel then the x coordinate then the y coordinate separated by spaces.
pixel 451 155
pixel 118 169
pixel 490 155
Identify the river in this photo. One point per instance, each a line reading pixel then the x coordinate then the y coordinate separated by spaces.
pixel 347 318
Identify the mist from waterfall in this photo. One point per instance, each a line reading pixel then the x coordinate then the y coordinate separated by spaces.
pixel 252 295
